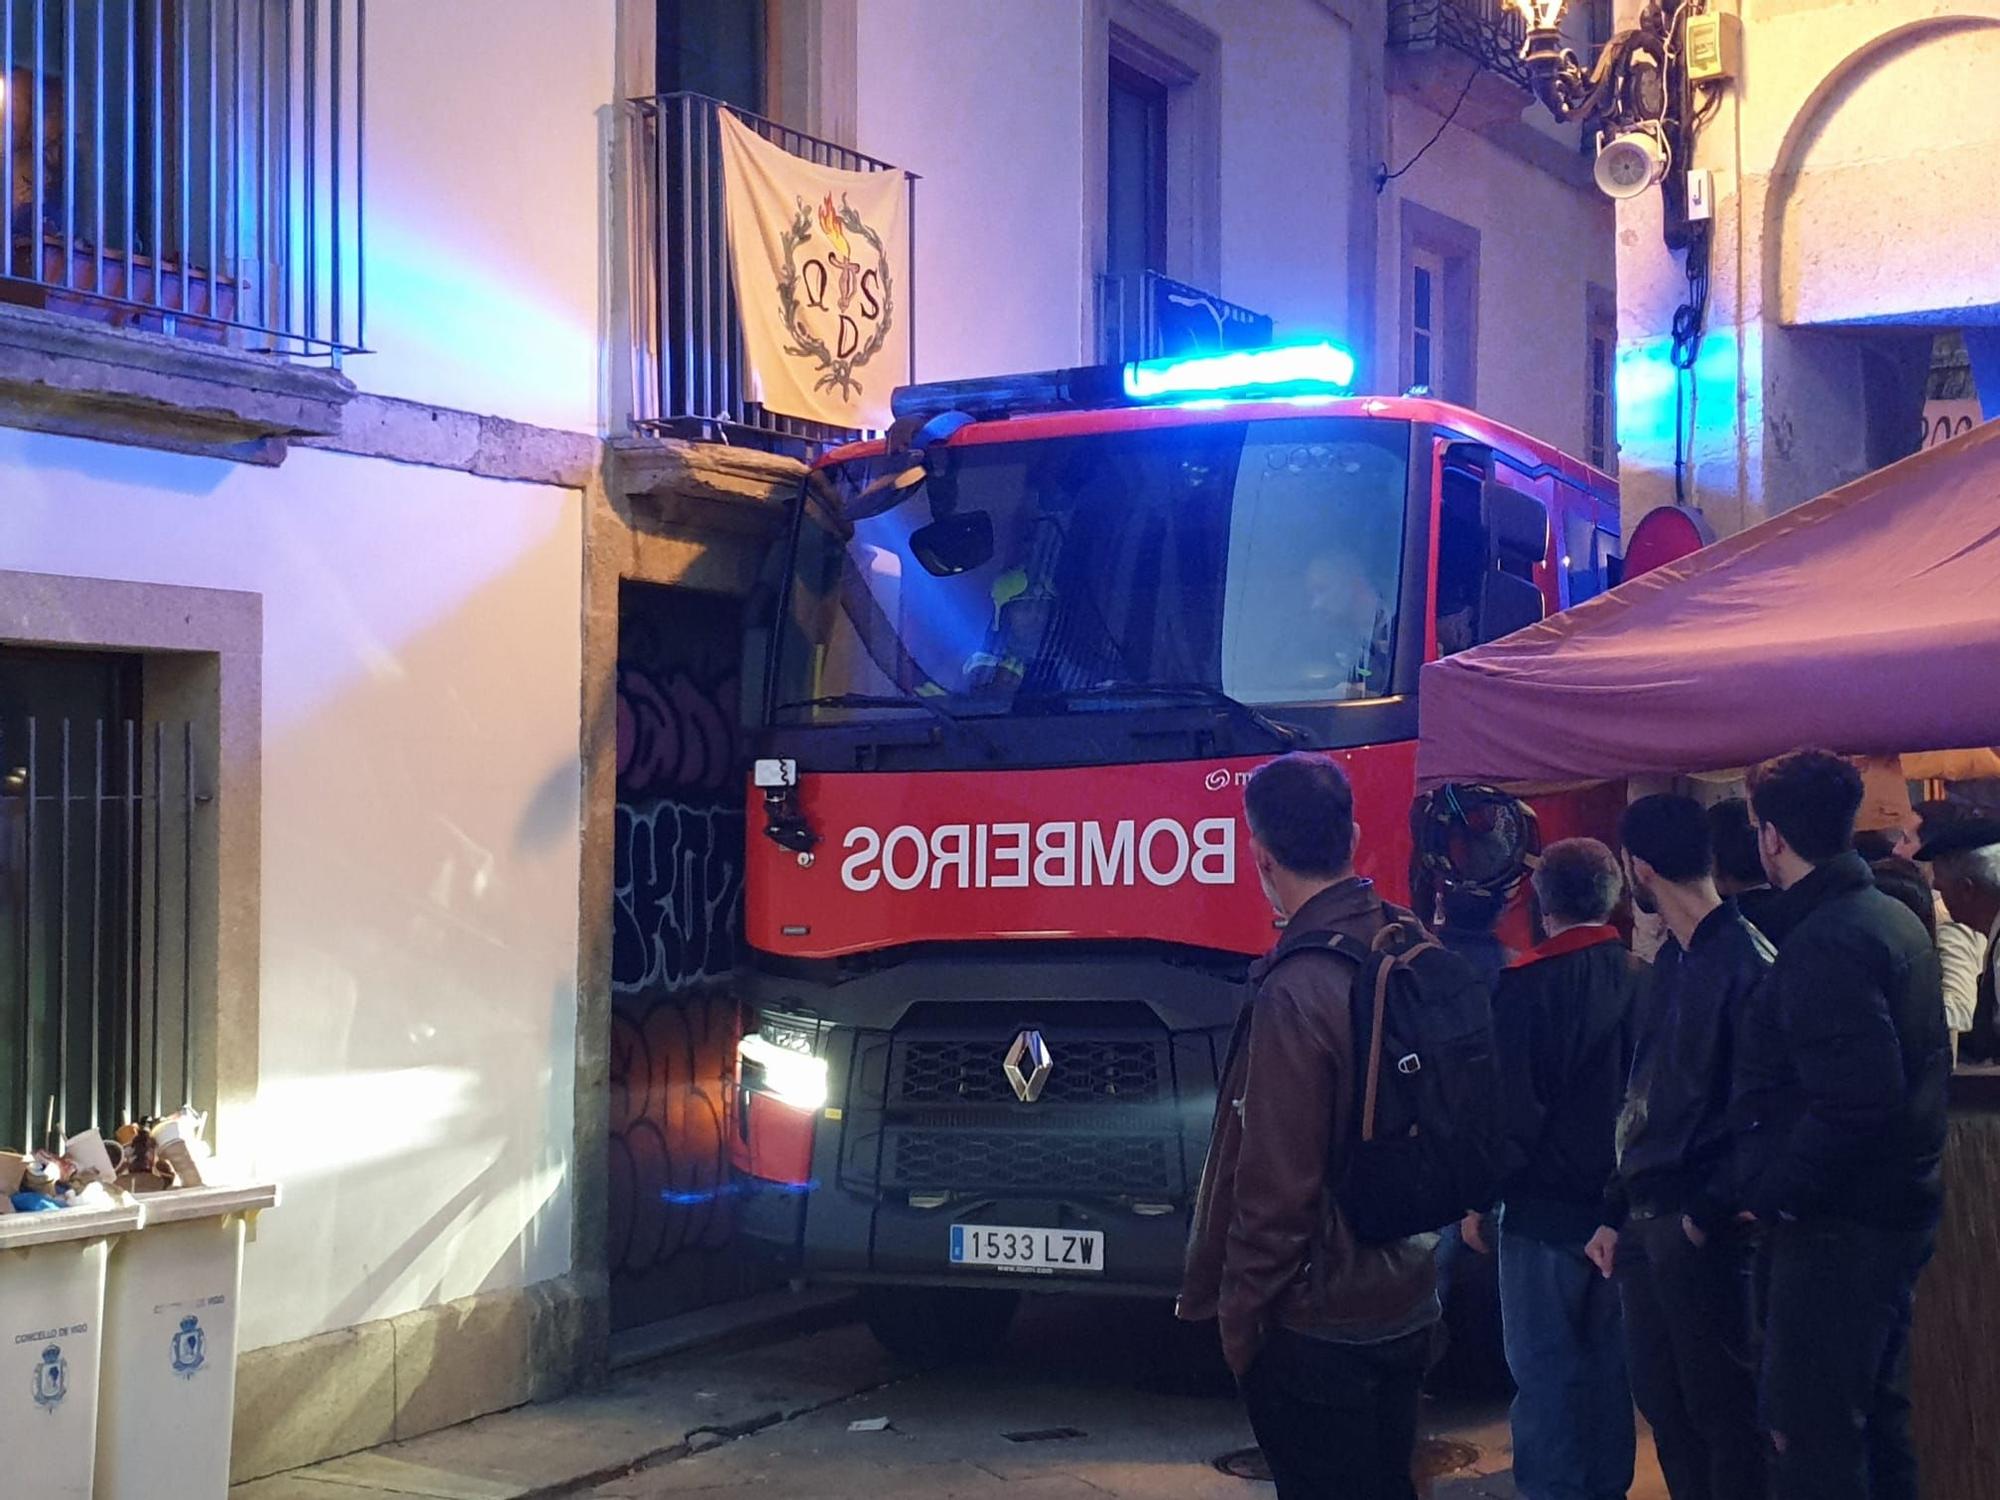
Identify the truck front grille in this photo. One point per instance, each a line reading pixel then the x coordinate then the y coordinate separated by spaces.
pixel 1037 1162
pixel 970 1070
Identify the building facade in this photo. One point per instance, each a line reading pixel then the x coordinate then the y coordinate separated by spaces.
pixel 1845 250
pixel 359 519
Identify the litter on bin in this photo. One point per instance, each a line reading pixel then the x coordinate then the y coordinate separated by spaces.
pixel 148 1155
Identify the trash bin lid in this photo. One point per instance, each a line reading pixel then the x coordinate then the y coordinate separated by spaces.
pixel 180 1205
pixel 25 1231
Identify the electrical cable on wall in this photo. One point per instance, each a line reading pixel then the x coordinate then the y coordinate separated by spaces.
pixel 1383 176
pixel 1690 323
pixel 1689 326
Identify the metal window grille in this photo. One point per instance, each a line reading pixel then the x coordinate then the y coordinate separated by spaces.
pixel 99 1021
pixel 1149 316
pixel 1601 444
pixel 690 371
pixel 1423 327
pixel 1490 32
pixel 188 166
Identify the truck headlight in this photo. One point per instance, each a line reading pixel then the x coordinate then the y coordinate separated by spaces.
pixel 794 1078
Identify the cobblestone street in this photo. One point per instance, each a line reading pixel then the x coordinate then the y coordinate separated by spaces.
pixel 1080 1405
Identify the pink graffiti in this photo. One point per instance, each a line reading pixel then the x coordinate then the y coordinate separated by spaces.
pixel 677 735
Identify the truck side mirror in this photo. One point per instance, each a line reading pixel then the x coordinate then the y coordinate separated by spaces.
pixel 1517 538
pixel 1516 526
pixel 954 544
pixel 1506 604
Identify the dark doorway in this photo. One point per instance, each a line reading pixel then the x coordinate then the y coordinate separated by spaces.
pixel 713 47
pixel 1136 177
pixel 677 910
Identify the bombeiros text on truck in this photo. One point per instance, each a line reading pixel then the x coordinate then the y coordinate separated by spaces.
pixel 1012 670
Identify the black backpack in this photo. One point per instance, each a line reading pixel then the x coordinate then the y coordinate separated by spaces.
pixel 1425 1138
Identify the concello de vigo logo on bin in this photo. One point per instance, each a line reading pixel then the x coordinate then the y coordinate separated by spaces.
pixel 190 1348
pixel 51 1378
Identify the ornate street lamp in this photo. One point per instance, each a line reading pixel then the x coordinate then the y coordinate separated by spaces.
pixel 1649 91
pixel 1623 84
pixel 1626 91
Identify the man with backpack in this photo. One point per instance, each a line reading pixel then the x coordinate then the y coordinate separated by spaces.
pixel 1563 1029
pixel 1328 1332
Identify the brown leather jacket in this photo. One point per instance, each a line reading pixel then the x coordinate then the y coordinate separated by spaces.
pixel 1268 1247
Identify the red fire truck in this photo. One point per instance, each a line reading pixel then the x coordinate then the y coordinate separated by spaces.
pixel 1019 661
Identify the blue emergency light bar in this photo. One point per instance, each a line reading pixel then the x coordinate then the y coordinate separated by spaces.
pixel 1316 369
pixel 1282 370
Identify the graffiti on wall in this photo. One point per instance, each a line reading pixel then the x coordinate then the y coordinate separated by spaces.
pixel 677 889
pixel 677 897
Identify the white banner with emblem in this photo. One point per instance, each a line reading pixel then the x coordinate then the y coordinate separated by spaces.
pixel 820 259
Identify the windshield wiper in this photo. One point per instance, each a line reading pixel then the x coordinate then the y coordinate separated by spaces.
pixel 890 700
pixel 1286 736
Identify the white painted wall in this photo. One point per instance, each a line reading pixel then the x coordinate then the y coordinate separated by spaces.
pixel 420 860
pixel 1884 190
pixel 1853 177
pixel 486 128
pixel 985 102
pixel 1542 243
pixel 991 104
pixel 1287 71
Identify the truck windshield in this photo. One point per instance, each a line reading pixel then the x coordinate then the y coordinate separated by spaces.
pixel 1257 560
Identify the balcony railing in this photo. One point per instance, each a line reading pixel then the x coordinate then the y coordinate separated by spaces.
pixel 690 372
pixel 1489 32
pixel 188 166
pixel 1147 316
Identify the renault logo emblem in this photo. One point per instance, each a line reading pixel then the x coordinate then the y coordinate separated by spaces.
pixel 1028 1066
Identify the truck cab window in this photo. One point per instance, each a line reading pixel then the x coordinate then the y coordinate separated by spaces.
pixel 1462 562
pixel 1259 560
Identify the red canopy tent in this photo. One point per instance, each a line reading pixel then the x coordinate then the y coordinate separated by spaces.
pixel 1865 621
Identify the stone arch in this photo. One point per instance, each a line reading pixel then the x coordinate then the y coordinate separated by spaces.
pixel 1788 218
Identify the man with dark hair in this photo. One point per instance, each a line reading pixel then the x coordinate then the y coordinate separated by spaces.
pixel 1840 1103
pixel 1684 1267
pixel 1328 1336
pixel 1562 1022
pixel 1739 869
pixel 1301 811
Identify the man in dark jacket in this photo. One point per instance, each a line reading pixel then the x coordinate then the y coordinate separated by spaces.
pixel 1841 1107
pixel 1684 1266
pixel 1562 1022
pixel 1328 1336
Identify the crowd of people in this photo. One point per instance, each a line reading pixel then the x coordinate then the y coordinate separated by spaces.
pixel 1717 1173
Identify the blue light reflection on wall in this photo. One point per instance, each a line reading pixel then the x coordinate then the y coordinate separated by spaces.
pixel 734 1190
pixel 1645 397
